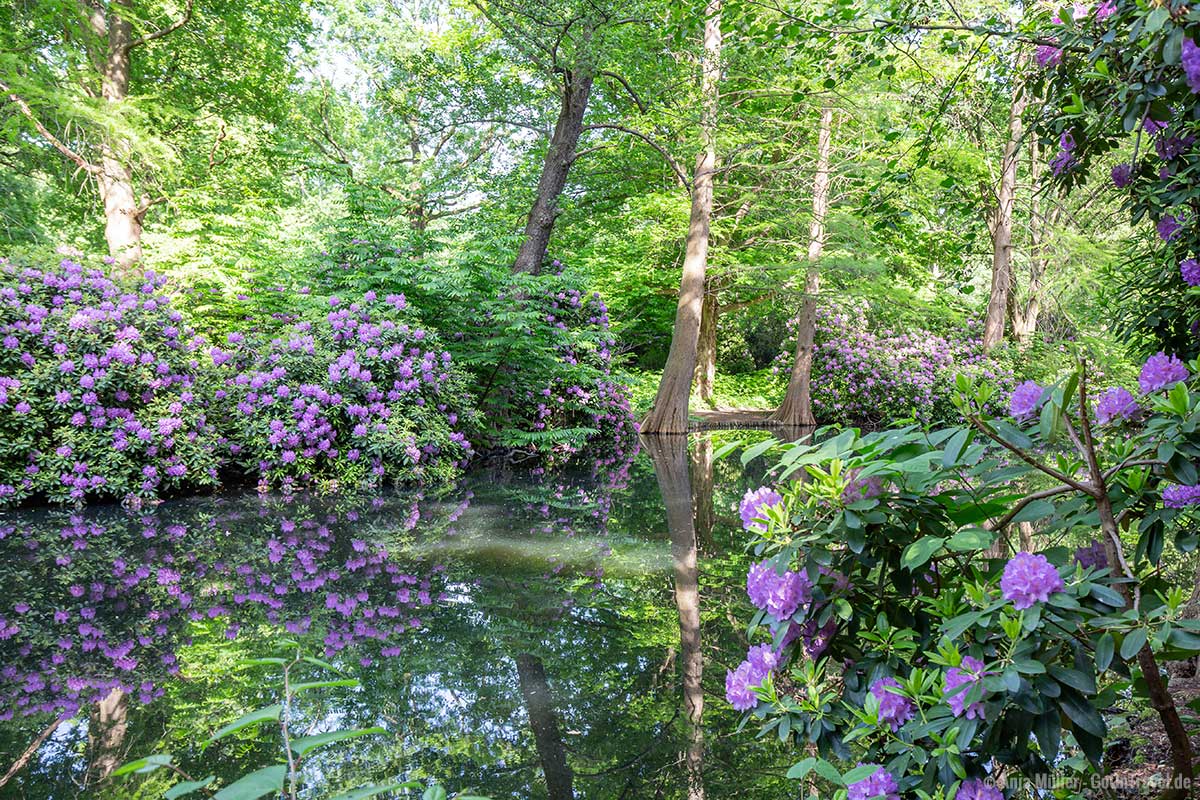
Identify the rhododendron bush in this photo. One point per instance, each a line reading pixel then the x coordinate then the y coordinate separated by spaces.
pixel 863 375
pixel 360 393
pixel 943 608
pixel 100 392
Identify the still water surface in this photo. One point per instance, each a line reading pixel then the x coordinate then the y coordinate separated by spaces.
pixel 519 636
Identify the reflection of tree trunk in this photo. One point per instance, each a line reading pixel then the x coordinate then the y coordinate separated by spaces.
pixel 669 414
pixel 796 408
pixel 702 495
pixel 106 734
pixel 30 752
pixel 706 346
pixel 539 705
pixel 669 454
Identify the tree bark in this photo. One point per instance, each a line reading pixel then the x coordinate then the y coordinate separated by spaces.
pixel 796 408
pixel 701 453
pixel 107 725
pixel 1002 224
pixel 1025 313
pixel 669 414
pixel 577 88
pixel 122 216
pixel 539 705
pixel 706 346
pixel 669 455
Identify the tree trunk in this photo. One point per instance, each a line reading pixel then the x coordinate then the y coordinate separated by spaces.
pixel 1025 313
pixel 669 455
pixel 796 408
pixel 706 347
pixel 669 414
pixel 539 705
pixel 701 454
pixel 577 88
pixel 122 216
pixel 107 725
pixel 1002 225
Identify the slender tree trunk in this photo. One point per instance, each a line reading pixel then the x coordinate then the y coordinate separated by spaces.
pixel 122 216
pixel 706 346
pixel 1002 225
pixel 701 454
pixel 1025 313
pixel 796 408
pixel 539 705
pixel 107 725
pixel 670 457
pixel 577 88
pixel 669 414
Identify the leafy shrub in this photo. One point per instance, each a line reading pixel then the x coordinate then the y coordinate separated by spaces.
pixel 926 653
pixel 359 394
pixel 866 375
pixel 100 393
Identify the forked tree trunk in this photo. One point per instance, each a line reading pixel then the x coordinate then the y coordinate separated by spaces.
pixel 539 705
pixel 577 88
pixel 706 346
pixel 669 455
pixel 107 725
pixel 1002 225
pixel 796 408
pixel 669 414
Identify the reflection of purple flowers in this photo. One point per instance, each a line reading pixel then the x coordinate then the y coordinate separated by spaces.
pixel 894 709
pixel 879 784
pixel 1161 371
pixel 1025 400
pixel 1115 404
pixel 959 682
pixel 1029 579
pixel 754 505
pixel 1181 496
pixel 1189 270
pixel 1105 10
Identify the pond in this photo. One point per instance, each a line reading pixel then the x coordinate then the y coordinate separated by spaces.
pixel 522 635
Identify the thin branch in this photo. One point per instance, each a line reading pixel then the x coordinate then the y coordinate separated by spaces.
pixel 24 108
pixel 1042 495
pixel 29 753
pixel 683 181
pixel 987 431
pixel 641 106
pixel 174 26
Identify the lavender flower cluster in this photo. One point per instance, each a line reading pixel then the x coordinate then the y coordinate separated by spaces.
pixel 862 375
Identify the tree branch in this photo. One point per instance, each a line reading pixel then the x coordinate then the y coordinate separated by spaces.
pixel 174 26
pixel 24 108
pixel 641 106
pixel 679 173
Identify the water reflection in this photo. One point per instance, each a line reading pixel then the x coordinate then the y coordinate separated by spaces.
pixel 538 636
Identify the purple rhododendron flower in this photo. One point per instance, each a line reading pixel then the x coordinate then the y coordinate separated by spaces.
pixel 1116 403
pixel 861 488
pixel 1190 58
pixel 1122 175
pixel 739 685
pixel 1153 126
pixel 879 784
pixel 1048 56
pixel 1105 10
pixel 763 657
pixel 1169 227
pixel 1161 371
pixel 1093 556
pixel 1189 269
pixel 753 507
pixel 968 674
pixel 1025 401
pixel 1029 579
pixel 777 594
pixel 976 789
pixel 894 709
pixel 1065 158
pixel 1181 496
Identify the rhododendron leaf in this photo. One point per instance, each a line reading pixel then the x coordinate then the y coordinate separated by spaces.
pixel 859 773
pixel 268 780
pixel 1074 678
pixel 1048 730
pixel 300 687
pixel 187 787
pixel 435 792
pixel 919 552
pixel 954 448
pixel 1134 641
pixel 800 771
pixel 371 791
pixel 971 539
pixel 306 744
pixel 1105 649
pixel 319 663
pixel 142 765
pixel 1081 712
pixel 268 714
